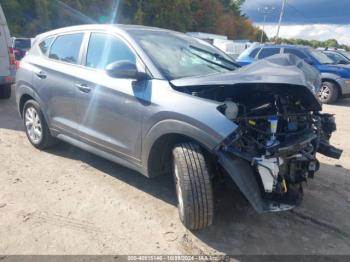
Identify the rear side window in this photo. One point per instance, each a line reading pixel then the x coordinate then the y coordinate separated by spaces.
pixel 105 49
pixel 66 48
pixel 44 45
pixel 294 52
pixel 254 52
pixel 266 52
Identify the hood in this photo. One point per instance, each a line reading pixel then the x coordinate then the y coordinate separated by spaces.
pixel 340 70
pixel 278 69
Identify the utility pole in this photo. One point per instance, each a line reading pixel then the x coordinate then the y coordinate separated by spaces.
pixel 280 20
pixel 266 10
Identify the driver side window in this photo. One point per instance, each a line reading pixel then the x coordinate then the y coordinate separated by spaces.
pixel 104 49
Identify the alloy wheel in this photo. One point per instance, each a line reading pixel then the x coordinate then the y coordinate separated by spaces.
pixel 33 125
pixel 324 93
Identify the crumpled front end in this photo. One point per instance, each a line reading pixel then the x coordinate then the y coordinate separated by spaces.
pixel 274 149
pixel 280 128
pixel 270 156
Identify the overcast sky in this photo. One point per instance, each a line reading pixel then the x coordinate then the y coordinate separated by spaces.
pixel 308 19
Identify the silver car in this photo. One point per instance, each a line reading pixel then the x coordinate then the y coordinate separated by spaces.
pixel 158 102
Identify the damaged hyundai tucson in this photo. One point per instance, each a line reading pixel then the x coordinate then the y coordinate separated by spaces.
pixel 161 102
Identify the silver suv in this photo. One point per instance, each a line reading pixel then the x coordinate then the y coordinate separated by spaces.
pixel 160 102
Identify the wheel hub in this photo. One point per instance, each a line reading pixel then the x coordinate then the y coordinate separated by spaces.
pixel 324 93
pixel 33 125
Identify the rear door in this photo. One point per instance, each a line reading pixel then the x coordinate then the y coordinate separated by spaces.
pixel 295 52
pixel 55 76
pixel 5 43
pixel 268 51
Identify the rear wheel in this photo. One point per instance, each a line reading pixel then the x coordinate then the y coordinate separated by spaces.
pixel 36 127
pixel 328 93
pixel 5 91
pixel 193 186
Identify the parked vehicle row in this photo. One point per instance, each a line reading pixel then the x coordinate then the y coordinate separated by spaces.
pixel 21 46
pixel 335 77
pixel 159 102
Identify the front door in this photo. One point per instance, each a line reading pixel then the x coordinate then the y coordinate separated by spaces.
pixel 110 109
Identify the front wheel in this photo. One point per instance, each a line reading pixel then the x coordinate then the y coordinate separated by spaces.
pixel 193 186
pixel 328 93
pixel 36 127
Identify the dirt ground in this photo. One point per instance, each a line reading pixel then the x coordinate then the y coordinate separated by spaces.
pixel 67 201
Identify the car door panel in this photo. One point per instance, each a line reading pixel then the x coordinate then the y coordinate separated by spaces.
pixel 55 81
pixel 109 110
pixel 110 114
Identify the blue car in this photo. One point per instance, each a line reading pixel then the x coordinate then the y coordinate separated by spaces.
pixel 335 77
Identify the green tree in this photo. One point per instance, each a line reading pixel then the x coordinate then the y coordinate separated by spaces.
pixel 31 17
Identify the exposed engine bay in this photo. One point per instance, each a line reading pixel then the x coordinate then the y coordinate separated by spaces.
pixel 280 130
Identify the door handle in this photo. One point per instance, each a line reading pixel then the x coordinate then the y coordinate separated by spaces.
pixel 83 88
pixel 41 75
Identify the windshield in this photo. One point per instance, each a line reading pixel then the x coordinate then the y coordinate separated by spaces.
pixel 22 43
pixel 337 58
pixel 346 54
pixel 320 57
pixel 178 55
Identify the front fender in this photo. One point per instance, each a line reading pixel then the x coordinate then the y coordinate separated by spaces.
pixel 331 76
pixel 153 141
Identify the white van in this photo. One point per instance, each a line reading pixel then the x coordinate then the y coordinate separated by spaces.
pixel 7 59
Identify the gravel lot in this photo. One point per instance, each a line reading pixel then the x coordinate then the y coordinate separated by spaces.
pixel 67 201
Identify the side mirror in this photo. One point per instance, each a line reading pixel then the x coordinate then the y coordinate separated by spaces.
pixel 343 62
pixel 125 69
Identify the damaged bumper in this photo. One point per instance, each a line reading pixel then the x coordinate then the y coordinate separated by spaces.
pixel 273 182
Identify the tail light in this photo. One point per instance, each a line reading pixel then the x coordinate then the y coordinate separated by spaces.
pixel 12 56
pixel 18 64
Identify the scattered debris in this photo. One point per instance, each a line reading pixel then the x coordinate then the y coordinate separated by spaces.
pixel 170 236
pixel 17 180
pixel 26 217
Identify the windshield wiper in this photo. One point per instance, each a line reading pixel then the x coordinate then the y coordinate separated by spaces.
pixel 216 55
pixel 209 61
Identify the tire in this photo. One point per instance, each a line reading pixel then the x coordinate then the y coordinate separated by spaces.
pixel 5 91
pixel 328 93
pixel 193 186
pixel 43 141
